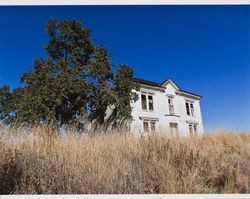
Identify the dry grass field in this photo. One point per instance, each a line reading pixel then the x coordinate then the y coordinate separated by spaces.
pixel 122 163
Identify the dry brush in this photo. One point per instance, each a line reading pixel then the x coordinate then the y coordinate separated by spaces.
pixel 122 163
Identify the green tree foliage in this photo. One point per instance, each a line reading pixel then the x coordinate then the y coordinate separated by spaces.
pixel 76 83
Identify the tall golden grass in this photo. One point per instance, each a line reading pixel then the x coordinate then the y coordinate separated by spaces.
pixel 34 163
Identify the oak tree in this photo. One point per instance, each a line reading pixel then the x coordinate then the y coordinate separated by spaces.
pixel 77 82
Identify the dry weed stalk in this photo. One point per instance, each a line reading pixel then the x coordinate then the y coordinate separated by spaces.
pixel 38 163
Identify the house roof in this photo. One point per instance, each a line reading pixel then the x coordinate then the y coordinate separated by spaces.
pixel 163 84
pixel 147 82
pixel 169 80
pixel 184 91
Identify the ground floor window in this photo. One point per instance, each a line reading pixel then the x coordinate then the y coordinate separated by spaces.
pixel 149 125
pixel 173 128
pixel 145 126
pixel 152 124
pixel 192 129
pixel 195 128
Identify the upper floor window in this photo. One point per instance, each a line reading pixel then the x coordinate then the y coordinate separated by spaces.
pixel 192 108
pixel 189 108
pixel 150 102
pixel 143 102
pixel 147 102
pixel 170 105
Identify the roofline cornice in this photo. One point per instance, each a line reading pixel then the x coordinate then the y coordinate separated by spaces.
pixel 163 84
pixel 188 94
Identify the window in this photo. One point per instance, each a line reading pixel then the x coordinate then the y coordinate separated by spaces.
pixel 143 102
pixel 152 124
pixel 145 126
pixel 189 108
pixel 192 108
pixel 150 103
pixel 173 128
pixel 147 102
pixel 170 105
pixel 149 125
pixel 195 128
pixel 192 129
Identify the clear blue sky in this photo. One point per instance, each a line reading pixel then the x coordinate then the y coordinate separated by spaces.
pixel 205 49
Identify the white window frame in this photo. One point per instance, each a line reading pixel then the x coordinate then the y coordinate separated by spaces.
pixel 171 129
pixel 189 108
pixel 147 94
pixel 152 130
pixel 171 105
pixel 146 102
pixel 193 129
pixel 149 122
pixel 144 126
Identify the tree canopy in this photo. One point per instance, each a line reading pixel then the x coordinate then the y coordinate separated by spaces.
pixel 75 83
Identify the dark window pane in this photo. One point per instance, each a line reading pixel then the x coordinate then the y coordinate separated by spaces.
pixel 173 128
pixel 187 108
pixel 145 126
pixel 171 106
pixel 191 129
pixel 150 103
pixel 143 102
pixel 152 124
pixel 192 109
pixel 195 128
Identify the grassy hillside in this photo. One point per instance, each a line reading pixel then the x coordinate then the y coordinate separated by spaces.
pixel 121 163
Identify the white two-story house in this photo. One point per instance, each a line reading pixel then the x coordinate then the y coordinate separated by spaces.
pixel 165 108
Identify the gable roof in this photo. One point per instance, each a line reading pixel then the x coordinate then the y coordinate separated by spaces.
pixel 163 85
pixel 189 93
pixel 170 81
pixel 147 82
